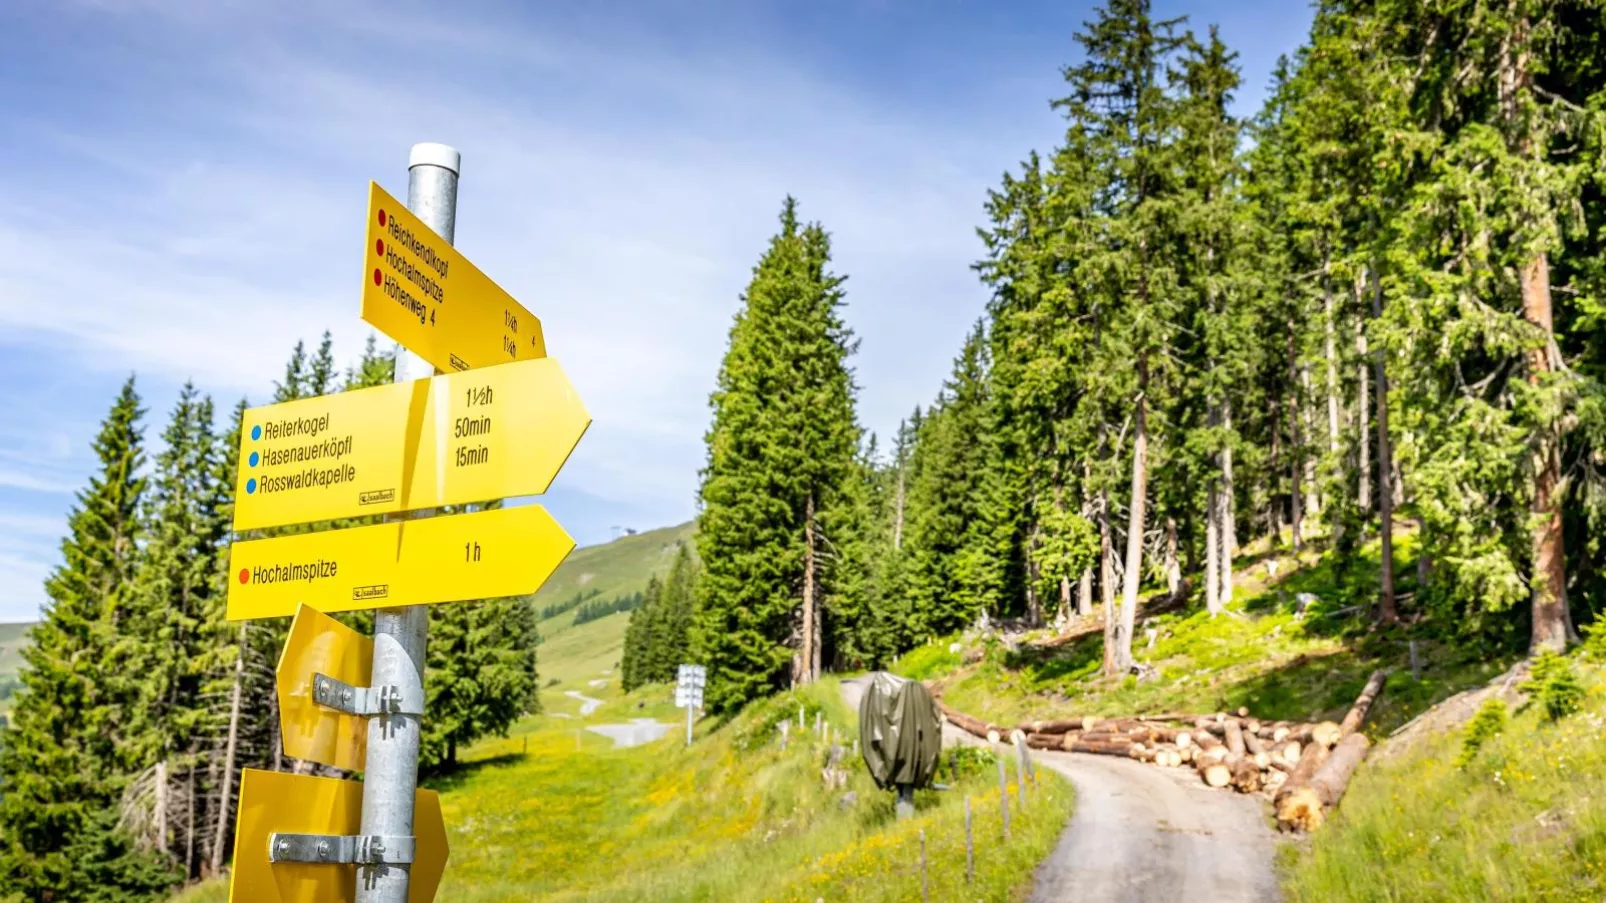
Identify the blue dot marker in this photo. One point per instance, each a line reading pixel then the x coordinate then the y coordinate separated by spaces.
pixel 254 459
pixel 251 485
pixel 256 433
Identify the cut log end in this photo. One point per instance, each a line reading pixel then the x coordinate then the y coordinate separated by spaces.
pixel 1300 810
pixel 1327 734
pixel 1216 774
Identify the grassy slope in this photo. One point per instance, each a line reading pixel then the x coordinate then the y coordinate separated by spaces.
pixel 1260 655
pixel 573 656
pixel 13 637
pixel 731 818
pixel 1525 820
pixel 555 813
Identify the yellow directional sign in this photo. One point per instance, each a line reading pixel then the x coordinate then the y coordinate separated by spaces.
pixel 503 552
pixel 277 802
pixel 492 433
pixel 318 644
pixel 425 294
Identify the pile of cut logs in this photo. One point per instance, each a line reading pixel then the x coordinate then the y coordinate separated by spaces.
pixel 1303 768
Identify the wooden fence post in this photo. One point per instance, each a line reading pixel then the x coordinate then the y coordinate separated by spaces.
pixel 925 885
pixel 970 847
pixel 1003 795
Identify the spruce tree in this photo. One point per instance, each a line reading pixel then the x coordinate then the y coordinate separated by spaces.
pixel 781 445
pixel 62 764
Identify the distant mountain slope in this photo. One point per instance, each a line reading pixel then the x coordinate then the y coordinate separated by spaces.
pixel 13 638
pixel 574 656
pixel 617 567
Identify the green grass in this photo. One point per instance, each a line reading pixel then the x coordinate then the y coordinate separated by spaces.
pixel 1525 820
pixel 733 817
pixel 1259 655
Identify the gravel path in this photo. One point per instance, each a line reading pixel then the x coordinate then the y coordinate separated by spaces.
pixel 1141 833
pixel 587 704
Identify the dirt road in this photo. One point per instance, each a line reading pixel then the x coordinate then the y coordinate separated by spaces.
pixel 1141 833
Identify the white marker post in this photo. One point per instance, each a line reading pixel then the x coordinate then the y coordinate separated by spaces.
pixel 689 694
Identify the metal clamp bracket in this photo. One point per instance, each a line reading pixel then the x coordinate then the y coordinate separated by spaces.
pixel 340 849
pixel 368 701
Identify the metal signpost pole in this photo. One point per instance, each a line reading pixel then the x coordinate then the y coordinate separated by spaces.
pixel 391 770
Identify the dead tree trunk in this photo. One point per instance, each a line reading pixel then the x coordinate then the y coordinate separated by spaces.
pixel 1226 526
pixel 1387 611
pixel 810 653
pixel 1173 567
pixel 1135 522
pixel 1107 581
pixel 225 788
pixel 1363 417
pixel 1212 553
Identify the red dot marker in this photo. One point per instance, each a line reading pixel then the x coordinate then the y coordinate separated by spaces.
pixel 379 247
pixel 245 575
pixel 381 217
pixel 377 279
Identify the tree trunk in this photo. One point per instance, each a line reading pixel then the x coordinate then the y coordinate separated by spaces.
pixel 1363 420
pixel 1084 593
pixel 1296 447
pixel 1313 497
pixel 1274 507
pixel 808 657
pixel 189 829
pixel 161 806
pixel 226 787
pixel 1134 536
pixel 1229 506
pixel 1173 567
pixel 897 512
pixel 1107 581
pixel 1387 611
pixel 1331 354
pixel 1212 553
pixel 1548 579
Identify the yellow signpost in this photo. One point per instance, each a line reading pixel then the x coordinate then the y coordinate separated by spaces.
pixel 491 433
pixel 319 647
pixel 425 294
pixel 503 552
pixel 274 802
pixel 499 423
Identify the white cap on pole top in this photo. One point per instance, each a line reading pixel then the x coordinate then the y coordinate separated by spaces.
pixel 431 154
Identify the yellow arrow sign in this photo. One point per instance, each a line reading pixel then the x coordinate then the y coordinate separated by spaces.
pixel 318 644
pixel 450 440
pixel 272 801
pixel 425 294
pixel 505 552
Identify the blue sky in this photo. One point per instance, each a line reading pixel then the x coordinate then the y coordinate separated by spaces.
pixel 184 188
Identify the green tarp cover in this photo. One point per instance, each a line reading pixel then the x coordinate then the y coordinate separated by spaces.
pixel 900 732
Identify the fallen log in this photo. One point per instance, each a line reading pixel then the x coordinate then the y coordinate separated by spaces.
pixel 1304 808
pixel 973 726
pixel 1035 740
pixel 1363 703
pixel 1288 752
pixel 1253 744
pixel 1111 747
pixel 1234 737
pixel 1310 759
pixel 1245 776
pixel 1215 774
pixel 1326 734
